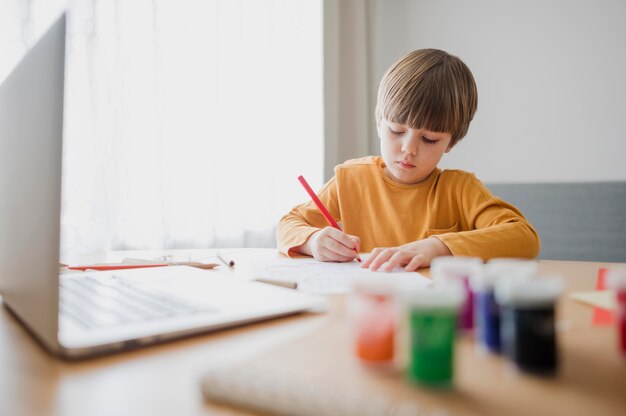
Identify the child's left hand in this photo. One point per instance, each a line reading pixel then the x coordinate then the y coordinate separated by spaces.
pixel 411 256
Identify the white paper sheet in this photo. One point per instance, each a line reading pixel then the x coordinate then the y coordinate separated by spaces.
pixel 310 275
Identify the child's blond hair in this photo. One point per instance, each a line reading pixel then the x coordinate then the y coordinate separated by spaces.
pixel 430 89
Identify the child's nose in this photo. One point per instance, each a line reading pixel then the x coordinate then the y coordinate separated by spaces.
pixel 409 145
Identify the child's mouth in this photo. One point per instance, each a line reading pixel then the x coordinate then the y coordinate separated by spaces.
pixel 406 165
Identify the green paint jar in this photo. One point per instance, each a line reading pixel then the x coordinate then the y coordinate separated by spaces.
pixel 433 322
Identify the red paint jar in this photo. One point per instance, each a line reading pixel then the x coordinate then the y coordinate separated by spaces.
pixel 616 280
pixel 373 315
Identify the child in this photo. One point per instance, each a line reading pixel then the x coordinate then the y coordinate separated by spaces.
pixel 400 206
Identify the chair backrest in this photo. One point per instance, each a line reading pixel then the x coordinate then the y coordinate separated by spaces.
pixel 575 221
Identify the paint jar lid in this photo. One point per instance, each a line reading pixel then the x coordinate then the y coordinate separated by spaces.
pixel 616 278
pixel 515 265
pixel 439 296
pixel 503 268
pixel 540 291
pixel 454 267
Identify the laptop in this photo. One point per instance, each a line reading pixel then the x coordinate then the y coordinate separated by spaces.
pixel 85 314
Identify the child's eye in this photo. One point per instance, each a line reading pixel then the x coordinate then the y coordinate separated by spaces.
pixel 428 141
pixel 394 132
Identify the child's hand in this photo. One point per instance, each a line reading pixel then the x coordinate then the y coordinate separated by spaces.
pixel 330 244
pixel 411 256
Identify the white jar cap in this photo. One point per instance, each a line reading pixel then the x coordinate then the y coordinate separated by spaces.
pixel 454 267
pixel 518 266
pixel 540 291
pixel 616 278
pixel 439 296
pixel 506 269
pixel 375 285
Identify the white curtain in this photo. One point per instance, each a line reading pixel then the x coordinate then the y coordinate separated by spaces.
pixel 186 122
pixel 349 89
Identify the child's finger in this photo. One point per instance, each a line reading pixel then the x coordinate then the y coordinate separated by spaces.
pixel 371 257
pixel 344 239
pixel 398 259
pixel 329 255
pixel 339 236
pixel 381 258
pixel 415 263
pixel 357 242
pixel 341 249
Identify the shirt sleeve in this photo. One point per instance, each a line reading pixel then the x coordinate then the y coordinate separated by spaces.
pixel 296 227
pixel 494 228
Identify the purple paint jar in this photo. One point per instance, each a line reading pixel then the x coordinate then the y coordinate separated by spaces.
pixel 459 270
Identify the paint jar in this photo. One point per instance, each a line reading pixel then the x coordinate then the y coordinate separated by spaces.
pixel 486 309
pixel 616 280
pixel 432 325
pixel 458 269
pixel 527 322
pixel 516 266
pixel 373 314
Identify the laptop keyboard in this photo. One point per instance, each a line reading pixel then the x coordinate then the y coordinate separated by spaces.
pixel 111 300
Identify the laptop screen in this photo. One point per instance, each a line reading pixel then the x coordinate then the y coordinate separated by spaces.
pixel 31 130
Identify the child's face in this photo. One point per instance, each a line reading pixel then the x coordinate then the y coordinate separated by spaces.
pixel 410 154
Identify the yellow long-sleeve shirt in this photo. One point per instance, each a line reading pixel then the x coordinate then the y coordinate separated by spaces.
pixel 452 205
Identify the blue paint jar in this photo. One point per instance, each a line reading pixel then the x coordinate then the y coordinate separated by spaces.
pixel 486 309
pixel 487 320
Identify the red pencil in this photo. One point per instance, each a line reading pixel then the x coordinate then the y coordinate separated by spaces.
pixel 321 207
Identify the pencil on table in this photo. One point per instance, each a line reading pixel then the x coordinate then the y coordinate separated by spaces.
pixel 225 259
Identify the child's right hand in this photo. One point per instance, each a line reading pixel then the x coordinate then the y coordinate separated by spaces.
pixel 331 244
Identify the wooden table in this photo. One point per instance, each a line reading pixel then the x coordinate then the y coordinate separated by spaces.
pixel 164 379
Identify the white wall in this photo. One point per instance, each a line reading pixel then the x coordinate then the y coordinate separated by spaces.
pixel 551 79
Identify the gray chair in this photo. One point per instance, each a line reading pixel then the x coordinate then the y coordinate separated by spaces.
pixel 575 221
